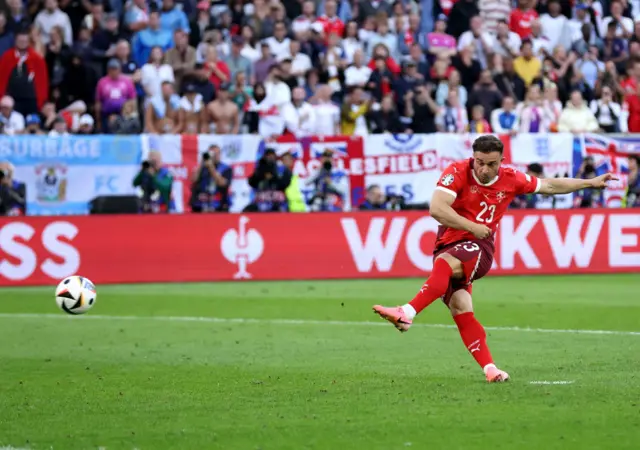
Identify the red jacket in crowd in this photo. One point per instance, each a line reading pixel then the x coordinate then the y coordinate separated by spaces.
pixel 632 103
pixel 36 68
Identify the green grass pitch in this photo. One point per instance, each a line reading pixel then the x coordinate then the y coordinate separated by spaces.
pixel 306 365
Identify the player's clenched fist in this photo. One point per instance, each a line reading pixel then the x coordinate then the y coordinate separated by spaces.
pixel 481 231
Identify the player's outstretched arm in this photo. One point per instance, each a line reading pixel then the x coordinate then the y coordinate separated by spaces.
pixel 553 186
pixel 442 211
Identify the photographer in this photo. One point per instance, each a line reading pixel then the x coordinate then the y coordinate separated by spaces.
pixel 377 201
pixel 587 198
pixel 154 183
pixel 269 181
pixel 330 185
pixel 211 183
pixel 12 193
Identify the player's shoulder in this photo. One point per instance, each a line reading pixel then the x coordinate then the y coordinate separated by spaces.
pixel 459 166
pixel 511 173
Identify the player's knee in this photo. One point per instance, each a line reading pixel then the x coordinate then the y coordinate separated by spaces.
pixel 454 263
pixel 460 303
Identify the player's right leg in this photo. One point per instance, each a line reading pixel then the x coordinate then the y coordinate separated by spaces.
pixel 445 268
pixel 473 334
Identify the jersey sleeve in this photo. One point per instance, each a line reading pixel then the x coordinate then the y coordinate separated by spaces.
pixel 451 181
pixel 526 184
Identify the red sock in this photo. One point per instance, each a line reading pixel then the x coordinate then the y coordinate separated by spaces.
pixel 435 286
pixel 474 337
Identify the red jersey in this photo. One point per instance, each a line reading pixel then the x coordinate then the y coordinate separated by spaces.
pixel 480 203
pixel 520 21
pixel 632 107
pixel 331 25
pixel 630 85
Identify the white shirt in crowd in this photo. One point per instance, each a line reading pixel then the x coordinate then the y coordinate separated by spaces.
pixel 279 50
pixel 54 133
pixel 277 93
pixel 492 11
pixel 46 21
pixel 609 115
pixel 13 124
pixel 152 77
pixel 327 119
pixel 556 29
pixel 357 76
pixel 251 53
pixel 300 63
pixel 350 46
pixel 625 22
pixel 513 43
pixel 300 120
pixel 539 44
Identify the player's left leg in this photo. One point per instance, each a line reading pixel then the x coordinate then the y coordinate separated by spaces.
pixel 473 334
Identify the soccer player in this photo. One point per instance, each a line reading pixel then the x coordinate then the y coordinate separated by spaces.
pixel 470 199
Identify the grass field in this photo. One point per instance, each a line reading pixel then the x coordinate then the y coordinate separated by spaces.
pixel 306 365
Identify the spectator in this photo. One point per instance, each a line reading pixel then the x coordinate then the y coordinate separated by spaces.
pixel 199 77
pixel 623 25
pixel 201 23
pixel 632 106
pixel 587 198
pixel 250 50
pixel 311 84
pixel 299 116
pixel 219 72
pixel 35 40
pixel 417 56
pixel 279 43
pixel 181 58
pixel 522 18
pixel 590 66
pixel 541 46
pixel 128 67
pixel 330 21
pixel 482 42
pixel 351 42
pixel 385 119
pixel 51 16
pixel 241 92
pixel 23 76
pixel 6 34
pixel 278 93
pixel 608 113
pixel 12 121
pixel 614 48
pixel 507 43
pixel 486 93
pixel 13 194
pixel 17 17
pixel 460 16
pixel 295 198
pixel 508 81
pixel 59 127
pixel 576 117
pixel 33 125
pixel 505 120
pixel 413 35
pixel 162 111
pixel 553 106
pixel 526 65
pixel 330 185
pixel 493 12
pixel 583 39
pixel 534 116
pixel 94 21
pixel 173 18
pixel 453 117
pixel 128 122
pixel 154 183
pixel 86 124
pixel 193 111
pixel 105 40
pixel 478 123
pixel 333 62
pixel 152 36
pixel 301 25
pixel 352 113
pixel 57 58
pixel 112 91
pixel 269 181
pixel 555 26
pixel 222 113
pixel 136 17
pixel 439 42
pixel 420 110
pixel 236 62
pixel 452 84
pixel 327 113
pixel 381 80
pixel 409 79
pixel 263 65
pixel 385 37
pixel 300 63
pixel 211 179
pixel 632 198
pixel 468 67
pixel 380 50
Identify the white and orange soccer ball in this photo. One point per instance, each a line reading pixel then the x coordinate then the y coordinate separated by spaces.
pixel 76 295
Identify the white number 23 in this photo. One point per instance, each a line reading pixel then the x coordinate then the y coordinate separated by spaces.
pixel 486 210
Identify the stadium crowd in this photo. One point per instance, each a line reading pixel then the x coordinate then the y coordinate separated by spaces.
pixel 320 67
pixel 317 67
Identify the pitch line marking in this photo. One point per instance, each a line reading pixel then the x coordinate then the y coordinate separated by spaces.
pixel 558 382
pixel 299 322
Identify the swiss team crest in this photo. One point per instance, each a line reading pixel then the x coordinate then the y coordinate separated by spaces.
pixel 500 196
pixel 447 180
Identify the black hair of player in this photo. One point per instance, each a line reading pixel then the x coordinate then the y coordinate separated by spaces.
pixel 488 144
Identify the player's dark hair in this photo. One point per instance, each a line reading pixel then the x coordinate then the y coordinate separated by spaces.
pixel 488 144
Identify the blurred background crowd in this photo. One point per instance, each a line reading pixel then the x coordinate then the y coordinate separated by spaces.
pixel 319 67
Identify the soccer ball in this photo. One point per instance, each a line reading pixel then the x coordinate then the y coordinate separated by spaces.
pixel 76 295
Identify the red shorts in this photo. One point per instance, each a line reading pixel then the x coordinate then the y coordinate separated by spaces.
pixel 476 257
